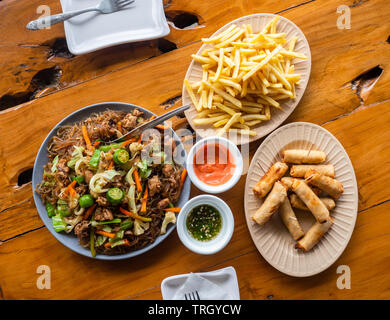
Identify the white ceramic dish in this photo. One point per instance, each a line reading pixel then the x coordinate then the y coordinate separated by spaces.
pixel 226 278
pixel 234 152
pixel 223 237
pixel 258 21
pixel 273 240
pixel 142 20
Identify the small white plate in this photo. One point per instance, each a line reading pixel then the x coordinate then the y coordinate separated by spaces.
pixel 257 21
pixel 142 20
pixel 226 278
pixel 273 240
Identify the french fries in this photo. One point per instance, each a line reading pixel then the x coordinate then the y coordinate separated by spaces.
pixel 245 75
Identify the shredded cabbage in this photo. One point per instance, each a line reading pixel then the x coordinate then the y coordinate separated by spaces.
pixel 99 180
pixel 169 218
pixel 131 198
pixel 129 176
pixel 77 154
pixel 71 223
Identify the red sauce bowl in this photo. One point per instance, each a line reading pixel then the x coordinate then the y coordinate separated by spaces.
pixel 214 164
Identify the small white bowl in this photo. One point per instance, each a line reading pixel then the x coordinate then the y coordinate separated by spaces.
pixel 234 152
pixel 224 235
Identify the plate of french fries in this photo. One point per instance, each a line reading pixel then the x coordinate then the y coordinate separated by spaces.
pixel 301 199
pixel 247 78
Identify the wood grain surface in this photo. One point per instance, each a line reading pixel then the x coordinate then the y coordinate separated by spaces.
pixel 42 82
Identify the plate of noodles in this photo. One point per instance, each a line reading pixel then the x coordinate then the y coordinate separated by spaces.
pixel 105 200
pixel 247 78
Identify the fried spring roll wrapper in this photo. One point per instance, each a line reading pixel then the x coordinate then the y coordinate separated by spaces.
pixel 299 171
pixel 300 156
pixel 275 198
pixel 329 185
pixel 267 181
pixel 288 181
pixel 290 220
pixel 314 235
pixel 299 204
pixel 315 205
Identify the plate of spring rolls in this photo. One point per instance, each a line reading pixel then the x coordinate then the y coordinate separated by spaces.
pixel 301 199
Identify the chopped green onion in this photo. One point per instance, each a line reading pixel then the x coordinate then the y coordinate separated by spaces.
pixel 92 243
pixel 100 223
pixel 126 224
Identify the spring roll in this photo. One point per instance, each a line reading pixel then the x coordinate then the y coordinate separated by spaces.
pixel 329 185
pixel 267 181
pixel 317 208
pixel 275 198
pixel 290 220
pixel 288 181
pixel 314 235
pixel 299 204
pixel 299 171
pixel 300 156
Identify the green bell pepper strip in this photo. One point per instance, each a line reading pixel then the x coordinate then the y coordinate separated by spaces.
pixel 94 162
pixel 126 224
pixel 79 179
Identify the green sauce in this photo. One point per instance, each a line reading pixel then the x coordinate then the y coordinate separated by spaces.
pixel 204 222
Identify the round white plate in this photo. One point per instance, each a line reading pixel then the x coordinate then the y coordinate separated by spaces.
pixel 258 21
pixel 273 240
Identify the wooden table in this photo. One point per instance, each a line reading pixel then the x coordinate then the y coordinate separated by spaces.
pixel 41 83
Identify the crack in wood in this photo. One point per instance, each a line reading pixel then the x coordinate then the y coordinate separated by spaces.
pixel 357 3
pixel 183 19
pixel 363 83
pixel 295 6
pixel 2 297
pixel 165 45
pixel 43 79
pixel 25 177
pixel 170 102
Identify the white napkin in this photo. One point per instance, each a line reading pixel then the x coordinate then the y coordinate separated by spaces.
pixel 206 289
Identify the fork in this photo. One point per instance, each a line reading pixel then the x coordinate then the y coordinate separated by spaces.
pixel 192 296
pixel 105 6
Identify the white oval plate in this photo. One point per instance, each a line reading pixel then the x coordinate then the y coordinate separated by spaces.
pixel 273 240
pixel 258 21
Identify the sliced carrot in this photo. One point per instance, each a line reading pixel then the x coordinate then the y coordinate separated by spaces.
pixel 152 118
pixel 86 137
pixel 120 126
pixel 125 143
pixel 110 165
pixel 69 188
pixel 106 234
pixel 89 211
pixel 161 127
pixel 183 178
pixel 175 210
pixel 137 180
pixel 144 200
pixel 134 215
pixel 96 143
pixel 139 138
pixel 126 243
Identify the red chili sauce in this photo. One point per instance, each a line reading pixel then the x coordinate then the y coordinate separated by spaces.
pixel 213 164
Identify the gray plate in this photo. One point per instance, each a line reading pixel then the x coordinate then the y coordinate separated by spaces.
pixel 70 240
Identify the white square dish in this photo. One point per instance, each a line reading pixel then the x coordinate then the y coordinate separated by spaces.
pixel 142 20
